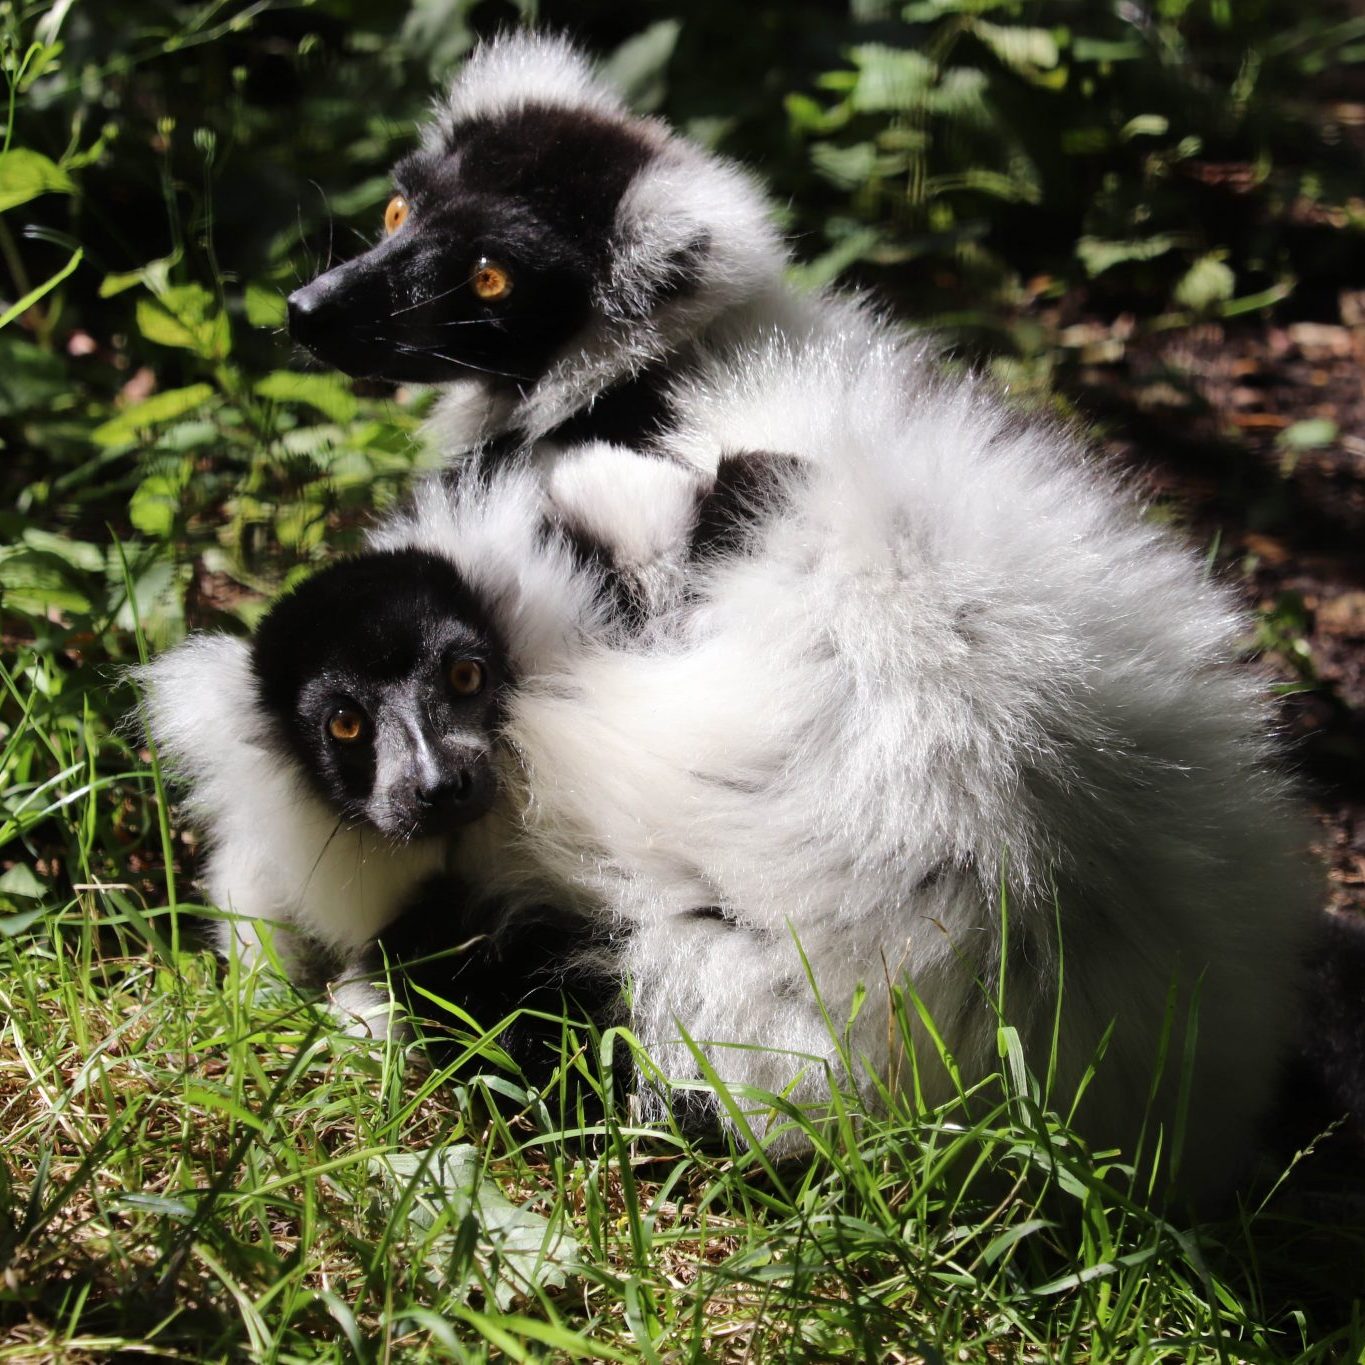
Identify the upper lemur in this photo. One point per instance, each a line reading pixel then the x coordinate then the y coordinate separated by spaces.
pixel 954 713
pixel 556 260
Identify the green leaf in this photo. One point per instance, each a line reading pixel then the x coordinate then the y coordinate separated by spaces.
pixel 17 310
pixel 265 307
pixel 37 582
pixel 159 588
pixel 80 554
pixel 961 93
pixel 26 174
pixel 806 114
pixel 153 506
pixel 29 376
pixel 1145 125
pixel 825 268
pixel 11 925
pixel 186 316
pixel 847 167
pixel 437 32
pixel 299 526
pixel 156 275
pixel 1098 255
pixel 151 412
pixel 1311 434
pixel 517 1251
pixel 637 67
pixel 890 78
pixel 994 183
pixel 927 11
pixel 1025 50
pixel 1207 283
pixel 1102 50
pixel 21 880
pixel 361 197
pixel 223 1103
pixel 329 394
pixel 156 1203
pixel 315 442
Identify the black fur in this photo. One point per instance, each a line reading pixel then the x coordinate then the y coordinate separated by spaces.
pixel 747 488
pixel 450 945
pixel 1325 1081
pixel 376 636
pixel 537 191
pixel 595 556
pixel 629 414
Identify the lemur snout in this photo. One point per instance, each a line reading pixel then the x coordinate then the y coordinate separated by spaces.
pixel 460 795
pixel 336 316
pixel 313 308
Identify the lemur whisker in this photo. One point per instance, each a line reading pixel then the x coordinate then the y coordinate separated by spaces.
pixel 430 353
pixel 434 298
pixel 322 852
pixel 331 222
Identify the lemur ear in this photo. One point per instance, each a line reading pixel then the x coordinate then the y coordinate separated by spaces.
pixel 692 235
pixel 519 68
pixel 684 270
pixel 659 277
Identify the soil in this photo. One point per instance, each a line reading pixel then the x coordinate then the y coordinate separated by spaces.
pixel 1254 433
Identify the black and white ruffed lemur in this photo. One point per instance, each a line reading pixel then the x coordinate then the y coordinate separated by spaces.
pixel 937 663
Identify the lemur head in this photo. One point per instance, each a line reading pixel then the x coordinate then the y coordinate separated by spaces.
pixel 541 231
pixel 382 676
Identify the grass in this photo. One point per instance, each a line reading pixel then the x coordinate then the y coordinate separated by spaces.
pixel 210 1169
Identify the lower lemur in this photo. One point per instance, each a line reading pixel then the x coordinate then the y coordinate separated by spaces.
pixel 369 771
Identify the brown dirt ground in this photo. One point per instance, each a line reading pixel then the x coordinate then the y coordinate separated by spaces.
pixel 1207 418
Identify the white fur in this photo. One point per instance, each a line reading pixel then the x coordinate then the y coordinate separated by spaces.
pixel 517 69
pixel 493 535
pixel 277 853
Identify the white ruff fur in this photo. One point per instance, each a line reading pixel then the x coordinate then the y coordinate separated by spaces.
pixel 957 662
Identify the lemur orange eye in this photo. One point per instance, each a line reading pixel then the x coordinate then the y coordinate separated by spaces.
pixel 491 281
pixel 396 214
pixel 466 676
pixel 346 726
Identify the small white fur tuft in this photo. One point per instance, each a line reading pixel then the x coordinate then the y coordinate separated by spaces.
pixel 514 70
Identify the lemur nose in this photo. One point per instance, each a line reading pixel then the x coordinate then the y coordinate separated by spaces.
pixel 304 307
pixel 450 788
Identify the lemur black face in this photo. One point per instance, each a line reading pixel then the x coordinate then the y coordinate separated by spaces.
pixel 384 678
pixel 494 245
